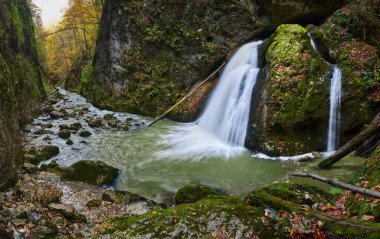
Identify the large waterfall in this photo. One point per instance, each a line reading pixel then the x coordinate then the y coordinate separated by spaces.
pixel 226 114
pixel 221 129
pixel 334 119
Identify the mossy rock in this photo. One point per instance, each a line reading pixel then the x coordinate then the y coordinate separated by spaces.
pixel 69 142
pixel 91 172
pixel 76 126
pixel 64 134
pixel 228 217
pixel 41 153
pixel 292 113
pixel 109 117
pixel 285 196
pixel 85 134
pixel 193 193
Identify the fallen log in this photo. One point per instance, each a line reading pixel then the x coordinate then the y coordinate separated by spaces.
pixel 210 77
pixel 339 184
pixel 353 144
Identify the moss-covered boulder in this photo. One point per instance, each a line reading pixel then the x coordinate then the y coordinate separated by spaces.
pixel 64 134
pixel 150 53
pixel 193 193
pixel 40 153
pixel 91 172
pixel 285 196
pixel 292 114
pixel 213 217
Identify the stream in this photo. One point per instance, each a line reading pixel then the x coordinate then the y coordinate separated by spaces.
pixel 146 167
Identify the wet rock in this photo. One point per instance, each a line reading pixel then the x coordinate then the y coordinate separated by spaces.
pixel 43 131
pixel 63 126
pixel 193 193
pixel 48 109
pixel 56 114
pixel 64 134
pixel 52 166
pixel 37 192
pixel 109 117
pixel 85 134
pixel 91 172
pixel 68 211
pixel 76 126
pixel 94 203
pixel 48 126
pixel 40 153
pixel 69 142
pixel 95 123
pixel 116 196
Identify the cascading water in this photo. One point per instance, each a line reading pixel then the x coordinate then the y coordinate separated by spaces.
pixel 334 118
pixel 312 42
pixel 221 129
pixel 226 114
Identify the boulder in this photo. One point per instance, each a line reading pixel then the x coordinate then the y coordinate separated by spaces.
pixel 95 123
pixel 64 134
pixel 56 114
pixel 213 217
pixel 85 134
pixel 192 193
pixel 91 172
pixel 289 114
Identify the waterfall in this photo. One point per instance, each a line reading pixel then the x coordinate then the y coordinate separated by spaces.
pixel 227 112
pixel 313 44
pixel 334 118
pixel 221 129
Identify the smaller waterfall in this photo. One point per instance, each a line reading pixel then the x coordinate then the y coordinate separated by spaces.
pixel 313 44
pixel 334 119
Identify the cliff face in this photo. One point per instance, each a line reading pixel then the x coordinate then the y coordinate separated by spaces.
pixel 20 82
pixel 149 53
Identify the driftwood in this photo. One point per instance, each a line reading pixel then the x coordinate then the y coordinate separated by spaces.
pixel 353 144
pixel 210 77
pixel 339 184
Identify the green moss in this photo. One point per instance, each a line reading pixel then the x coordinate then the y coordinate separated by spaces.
pixel 42 153
pixel 193 193
pixel 285 196
pixel 195 220
pixel 91 172
pixel 64 134
pixel 297 94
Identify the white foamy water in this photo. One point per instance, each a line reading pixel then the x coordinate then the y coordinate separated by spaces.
pixel 313 44
pixel 334 118
pixel 221 129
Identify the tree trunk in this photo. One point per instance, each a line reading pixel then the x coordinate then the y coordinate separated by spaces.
pixel 353 144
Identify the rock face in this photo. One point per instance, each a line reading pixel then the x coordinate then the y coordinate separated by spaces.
pixel 290 109
pixel 350 39
pixel 20 82
pixel 150 53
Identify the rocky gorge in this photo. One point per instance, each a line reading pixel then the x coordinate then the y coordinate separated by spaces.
pixel 87 165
